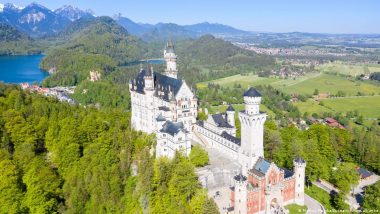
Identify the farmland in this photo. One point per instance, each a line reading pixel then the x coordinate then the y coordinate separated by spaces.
pixel 348 69
pixel 326 83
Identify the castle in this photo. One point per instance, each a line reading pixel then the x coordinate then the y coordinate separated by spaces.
pixel 261 185
pixel 164 105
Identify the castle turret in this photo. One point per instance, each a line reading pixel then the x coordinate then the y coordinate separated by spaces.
pixel 299 173
pixel 240 197
pixel 149 81
pixel 252 130
pixel 171 61
pixel 230 115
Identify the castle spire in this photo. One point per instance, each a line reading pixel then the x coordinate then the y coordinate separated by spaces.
pixel 171 60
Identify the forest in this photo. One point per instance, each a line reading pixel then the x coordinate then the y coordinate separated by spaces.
pixel 61 158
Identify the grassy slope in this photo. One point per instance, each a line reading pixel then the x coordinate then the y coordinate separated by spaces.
pixel 296 209
pixel 347 69
pixel 367 106
pixel 320 195
pixel 312 106
pixel 332 84
pixel 239 107
pixel 245 81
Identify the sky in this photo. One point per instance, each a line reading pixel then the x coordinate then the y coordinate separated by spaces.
pixel 316 16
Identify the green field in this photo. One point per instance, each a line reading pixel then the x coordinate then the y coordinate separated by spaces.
pixel 330 84
pixel 245 81
pixel 325 83
pixel 311 106
pixel 296 209
pixel 369 107
pixel 239 107
pixel 320 195
pixel 347 69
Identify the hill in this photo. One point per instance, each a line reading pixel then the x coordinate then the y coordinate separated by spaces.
pixel 209 58
pixel 99 44
pixel 13 41
pixel 35 20
pixel 166 31
pixel 215 29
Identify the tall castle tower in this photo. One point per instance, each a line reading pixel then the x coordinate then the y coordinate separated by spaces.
pixel 171 61
pixel 299 173
pixel 149 91
pixel 231 115
pixel 252 130
pixel 240 199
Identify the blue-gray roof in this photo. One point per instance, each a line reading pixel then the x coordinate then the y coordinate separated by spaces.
pixel 220 121
pixel 240 177
pixel 164 108
pixel 299 160
pixel 262 165
pixel 161 118
pixel 252 93
pixel 231 138
pixel 162 83
pixel 230 108
pixel 364 173
pixel 288 173
pixel 172 128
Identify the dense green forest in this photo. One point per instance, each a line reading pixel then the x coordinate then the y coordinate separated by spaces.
pixel 100 45
pixel 208 58
pixel 13 42
pixel 331 154
pixel 56 157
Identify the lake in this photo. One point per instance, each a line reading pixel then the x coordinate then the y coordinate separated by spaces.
pixel 18 69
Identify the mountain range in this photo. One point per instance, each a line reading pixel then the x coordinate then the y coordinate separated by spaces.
pixel 39 21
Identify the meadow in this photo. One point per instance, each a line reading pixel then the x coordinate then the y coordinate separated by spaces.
pixel 244 80
pixel 348 69
pixel 240 107
pixel 326 83
pixel 369 107
pixel 305 85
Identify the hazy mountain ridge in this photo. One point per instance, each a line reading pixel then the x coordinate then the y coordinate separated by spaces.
pixel 36 20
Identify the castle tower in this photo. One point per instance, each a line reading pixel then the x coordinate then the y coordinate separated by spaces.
pixel 230 115
pixel 240 198
pixel 299 173
pixel 149 125
pixel 171 61
pixel 149 81
pixel 252 130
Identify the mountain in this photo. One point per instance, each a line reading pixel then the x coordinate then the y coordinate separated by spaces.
pixel 167 31
pixel 215 29
pixel 73 13
pixel 15 42
pixel 132 27
pixel 209 58
pixel 164 31
pixel 9 33
pixel 35 19
pixel 99 44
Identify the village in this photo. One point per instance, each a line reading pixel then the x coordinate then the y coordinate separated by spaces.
pixel 61 93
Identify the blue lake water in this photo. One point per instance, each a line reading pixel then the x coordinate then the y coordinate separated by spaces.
pixel 18 69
